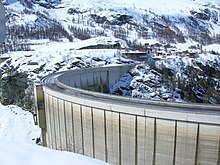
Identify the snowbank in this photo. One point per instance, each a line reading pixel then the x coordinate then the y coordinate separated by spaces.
pixel 17 125
pixel 17 142
pixel 23 153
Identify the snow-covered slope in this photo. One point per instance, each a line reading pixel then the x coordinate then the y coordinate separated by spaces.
pixel 166 20
pixel 49 57
pixel 31 154
pixel 17 142
pixel 17 125
pixel 177 78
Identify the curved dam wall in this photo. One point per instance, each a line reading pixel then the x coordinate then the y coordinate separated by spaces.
pixel 122 130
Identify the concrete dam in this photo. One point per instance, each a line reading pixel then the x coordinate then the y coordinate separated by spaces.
pixel 76 114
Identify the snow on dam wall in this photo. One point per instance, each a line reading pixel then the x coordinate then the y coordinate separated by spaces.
pixel 76 116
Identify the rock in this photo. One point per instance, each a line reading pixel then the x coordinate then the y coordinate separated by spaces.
pixel 203 14
pixel 38 70
pixel 48 4
pixel 122 19
pixel 13 88
pixel 32 63
pixel 73 11
pixel 214 16
pixel 99 19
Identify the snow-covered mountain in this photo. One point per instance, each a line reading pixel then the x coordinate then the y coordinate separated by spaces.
pixel 174 78
pixel 168 21
pixel 46 36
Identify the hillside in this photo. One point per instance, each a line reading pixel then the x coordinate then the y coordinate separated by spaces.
pixel 182 38
pixel 170 22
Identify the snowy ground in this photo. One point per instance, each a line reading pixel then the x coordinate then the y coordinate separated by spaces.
pixel 17 142
pixel 17 125
pixel 49 57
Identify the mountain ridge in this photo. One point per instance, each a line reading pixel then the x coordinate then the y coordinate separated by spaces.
pixel 171 21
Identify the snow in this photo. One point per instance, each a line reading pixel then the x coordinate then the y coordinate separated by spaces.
pixel 48 57
pixel 174 9
pixel 13 153
pixel 97 41
pixel 17 125
pixel 185 46
pixel 213 47
pixel 208 58
pixel 166 6
pixel 16 7
pixel 17 142
pixel 135 8
pixel 49 54
pixel 143 81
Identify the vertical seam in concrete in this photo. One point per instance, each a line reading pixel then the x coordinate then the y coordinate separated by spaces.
pixel 45 107
pixel 218 161
pixel 155 141
pixel 58 116
pixel 50 122
pixel 73 128
pixel 46 116
pixel 119 130
pixel 93 136
pixel 136 142
pixel 105 132
pixel 49 113
pixel 145 135
pixel 51 118
pixel 174 147
pixel 44 131
pixel 64 110
pixel 82 129
pixel 197 145
pixel 54 129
